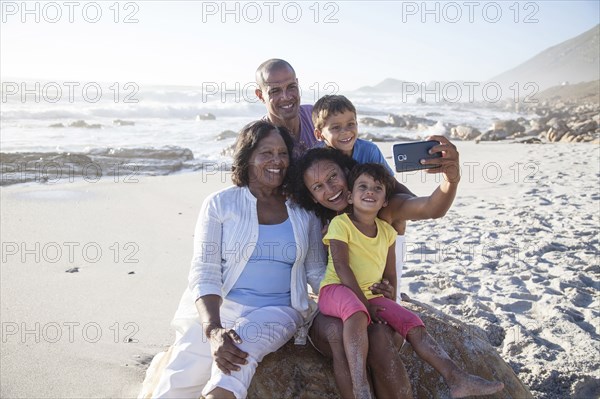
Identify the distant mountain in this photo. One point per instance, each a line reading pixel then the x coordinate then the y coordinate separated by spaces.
pixel 575 60
pixel 387 86
pixel 581 92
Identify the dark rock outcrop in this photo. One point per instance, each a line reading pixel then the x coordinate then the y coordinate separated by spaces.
pixel 301 372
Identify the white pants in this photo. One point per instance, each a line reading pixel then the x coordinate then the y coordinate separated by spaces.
pixel 191 371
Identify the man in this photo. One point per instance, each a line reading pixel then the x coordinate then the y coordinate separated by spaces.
pixel 278 89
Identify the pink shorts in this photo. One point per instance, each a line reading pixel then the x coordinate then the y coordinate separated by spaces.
pixel 337 300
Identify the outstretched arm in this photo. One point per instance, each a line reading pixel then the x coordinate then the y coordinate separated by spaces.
pixel 404 207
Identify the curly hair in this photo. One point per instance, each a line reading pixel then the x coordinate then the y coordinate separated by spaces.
pixel 247 141
pixel 378 172
pixel 298 190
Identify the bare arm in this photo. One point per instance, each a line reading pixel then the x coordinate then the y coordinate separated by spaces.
pixel 389 273
pixel 404 207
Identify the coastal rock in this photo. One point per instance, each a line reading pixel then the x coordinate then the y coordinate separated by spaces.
pixel 558 128
pixel 226 134
pixel 492 135
pixel 120 122
pixel 57 125
pixel 85 125
pixel 205 117
pixel 531 140
pixel 464 133
pixel 413 121
pixel 301 372
pixel 373 122
pixel 509 126
pixel 396 121
pixel 585 127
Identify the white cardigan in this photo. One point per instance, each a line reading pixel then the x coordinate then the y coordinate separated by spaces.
pixel 225 237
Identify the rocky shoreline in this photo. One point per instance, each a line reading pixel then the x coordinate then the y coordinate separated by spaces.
pixel 546 123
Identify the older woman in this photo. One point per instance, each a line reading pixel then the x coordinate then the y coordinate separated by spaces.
pixel 243 234
pixel 321 186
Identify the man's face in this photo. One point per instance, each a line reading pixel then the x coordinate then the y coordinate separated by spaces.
pixel 281 94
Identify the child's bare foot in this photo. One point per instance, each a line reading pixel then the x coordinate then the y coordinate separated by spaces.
pixel 471 385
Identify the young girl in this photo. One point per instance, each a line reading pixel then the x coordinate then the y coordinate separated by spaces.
pixel 361 253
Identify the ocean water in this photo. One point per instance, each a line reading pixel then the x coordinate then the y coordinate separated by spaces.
pixel 157 120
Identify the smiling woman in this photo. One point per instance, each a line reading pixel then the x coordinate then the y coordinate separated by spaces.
pixel 244 233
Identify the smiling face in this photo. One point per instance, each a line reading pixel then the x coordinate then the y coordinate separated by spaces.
pixel 339 131
pixel 368 194
pixel 281 94
pixel 269 162
pixel 326 182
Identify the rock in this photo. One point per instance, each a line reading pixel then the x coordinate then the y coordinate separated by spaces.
pixel 396 121
pixel 492 135
pixel 205 117
pixel 558 128
pixel 373 122
pixel 226 134
pixel 510 127
pixel 57 125
pixel 120 122
pixel 301 372
pixel 531 140
pixel 414 121
pixel 464 133
pixel 84 124
pixel 584 127
pixel 72 270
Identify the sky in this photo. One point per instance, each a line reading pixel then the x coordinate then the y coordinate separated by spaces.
pixel 349 43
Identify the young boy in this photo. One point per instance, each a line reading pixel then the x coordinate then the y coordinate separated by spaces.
pixel 361 253
pixel 334 117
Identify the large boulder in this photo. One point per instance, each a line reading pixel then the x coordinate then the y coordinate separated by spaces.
pixel 368 121
pixel 301 372
pixel 464 133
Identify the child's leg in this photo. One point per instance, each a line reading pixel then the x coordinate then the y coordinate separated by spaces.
pixel 387 371
pixel 412 328
pixel 339 301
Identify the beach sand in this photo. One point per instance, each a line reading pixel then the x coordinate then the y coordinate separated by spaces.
pixel 517 255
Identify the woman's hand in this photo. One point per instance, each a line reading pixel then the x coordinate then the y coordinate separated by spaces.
pixel 226 354
pixel 449 162
pixel 384 288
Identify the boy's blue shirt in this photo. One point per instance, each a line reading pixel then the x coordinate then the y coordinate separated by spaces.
pixel 368 152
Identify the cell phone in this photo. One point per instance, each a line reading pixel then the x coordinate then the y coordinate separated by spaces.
pixel 407 156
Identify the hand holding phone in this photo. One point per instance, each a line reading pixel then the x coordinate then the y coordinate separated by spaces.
pixel 408 156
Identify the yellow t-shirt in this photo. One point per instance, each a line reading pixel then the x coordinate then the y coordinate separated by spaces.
pixel 367 256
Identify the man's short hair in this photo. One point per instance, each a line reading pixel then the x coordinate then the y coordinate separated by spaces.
pixel 268 66
pixel 330 105
pixel 378 172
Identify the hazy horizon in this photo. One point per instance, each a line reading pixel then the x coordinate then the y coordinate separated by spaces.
pixel 191 43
